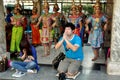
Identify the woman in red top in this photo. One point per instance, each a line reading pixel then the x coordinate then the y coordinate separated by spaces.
pixel 35 30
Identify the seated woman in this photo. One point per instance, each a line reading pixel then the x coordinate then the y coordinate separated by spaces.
pixel 29 60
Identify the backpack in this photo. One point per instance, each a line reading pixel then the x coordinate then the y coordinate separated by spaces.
pixel 57 60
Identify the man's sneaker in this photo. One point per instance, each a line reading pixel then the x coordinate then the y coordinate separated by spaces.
pixel 19 74
pixel 32 71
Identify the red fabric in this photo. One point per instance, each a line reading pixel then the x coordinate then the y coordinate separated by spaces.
pixel 9 62
pixel 35 35
pixel 77 31
pixel 94 16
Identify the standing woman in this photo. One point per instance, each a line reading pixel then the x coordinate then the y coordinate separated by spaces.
pixel 73 18
pixel 57 17
pixel 17 31
pixel 35 30
pixel 8 27
pixel 81 22
pixel 96 35
pixel 46 34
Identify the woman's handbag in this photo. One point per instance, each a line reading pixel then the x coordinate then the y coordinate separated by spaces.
pixel 3 64
pixel 57 60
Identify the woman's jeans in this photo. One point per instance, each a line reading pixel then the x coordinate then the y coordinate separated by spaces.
pixel 23 66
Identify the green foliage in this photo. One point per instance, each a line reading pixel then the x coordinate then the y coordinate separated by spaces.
pixel 66 8
pixel 88 9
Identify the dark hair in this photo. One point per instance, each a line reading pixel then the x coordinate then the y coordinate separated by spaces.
pixel 19 10
pixel 56 7
pixel 8 9
pixel 71 25
pixel 25 45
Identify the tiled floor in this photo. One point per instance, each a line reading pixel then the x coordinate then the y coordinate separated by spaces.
pixel 89 70
pixel 48 59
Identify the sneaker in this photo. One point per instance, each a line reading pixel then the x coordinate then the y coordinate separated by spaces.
pixel 15 73
pixel 12 68
pixel 19 74
pixel 32 71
